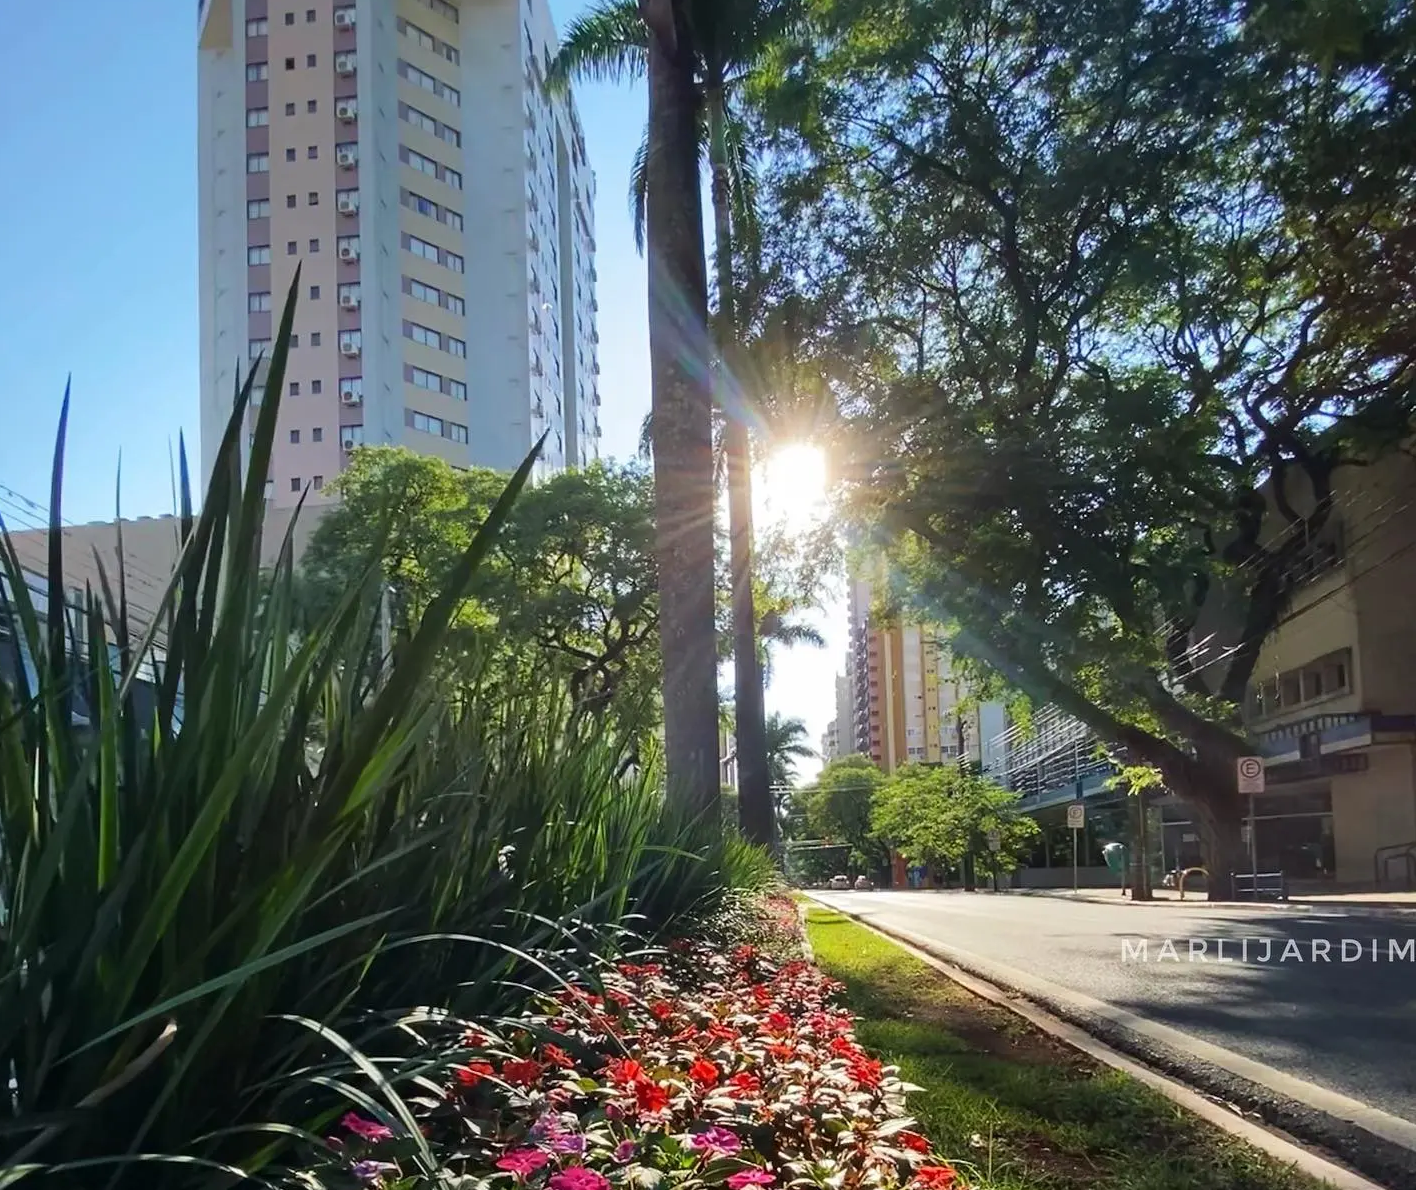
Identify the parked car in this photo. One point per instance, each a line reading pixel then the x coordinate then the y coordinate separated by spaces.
pixel 863 884
pixel 840 883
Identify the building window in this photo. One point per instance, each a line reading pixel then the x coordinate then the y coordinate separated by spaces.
pixel 456 304
pixel 453 220
pixel 313 152
pixel 454 262
pixel 422 334
pixel 353 435
pixel 258 254
pixel 422 248
pixel 424 293
pixel 314 246
pixel 418 119
pixel 428 425
pixel 257 72
pixel 348 152
pixel 349 294
pixel 312 106
pixel 452 178
pixel 289 18
pixel 353 388
pixel 318 482
pixel 309 16
pixel 257 28
pixel 289 63
pixel 258 163
pixel 421 378
pixel 452 95
pixel 258 303
pixel 422 164
pixel 310 60
pixel 351 342
pixel 289 109
pixel 451 135
pixel 290 201
pixel 456 432
pixel 317 387
pixel 347 247
pixel 456 347
pixel 256 348
pixel 294 434
pixel 294 483
pixel 317 434
pixel 289 154
pixel 416 202
pixel 315 338
pixel 455 388
pixel 257 117
pixel 258 208
pixel 314 293
pixel 294 341
pixel 291 247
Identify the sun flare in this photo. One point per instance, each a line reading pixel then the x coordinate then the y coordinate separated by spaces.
pixel 792 486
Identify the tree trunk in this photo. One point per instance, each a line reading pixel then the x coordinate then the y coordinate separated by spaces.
pixel 754 780
pixel 682 409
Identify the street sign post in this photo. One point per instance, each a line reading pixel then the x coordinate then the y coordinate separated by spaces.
pixel 995 841
pixel 1076 820
pixel 1250 772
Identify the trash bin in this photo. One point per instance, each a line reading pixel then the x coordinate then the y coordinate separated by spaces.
pixel 1115 856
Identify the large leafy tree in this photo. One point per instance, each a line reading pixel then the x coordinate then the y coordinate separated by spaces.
pixel 837 808
pixel 572 582
pixel 726 39
pixel 786 744
pixel 1107 362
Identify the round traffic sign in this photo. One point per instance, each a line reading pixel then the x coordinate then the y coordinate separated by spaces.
pixel 1250 767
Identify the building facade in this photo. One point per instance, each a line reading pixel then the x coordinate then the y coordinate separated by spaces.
pixel 408 157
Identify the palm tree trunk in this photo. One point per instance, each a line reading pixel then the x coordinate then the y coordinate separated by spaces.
pixel 754 781
pixel 682 415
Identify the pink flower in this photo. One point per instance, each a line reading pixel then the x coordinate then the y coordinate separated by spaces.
pixel 715 1142
pixel 523 1162
pixel 577 1177
pixel 750 1177
pixel 624 1151
pixel 368 1129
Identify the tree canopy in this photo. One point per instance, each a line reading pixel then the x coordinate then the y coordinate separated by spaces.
pixel 1120 290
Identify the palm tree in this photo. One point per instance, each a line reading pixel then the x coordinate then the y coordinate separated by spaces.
pixel 786 744
pixel 730 38
pixel 656 39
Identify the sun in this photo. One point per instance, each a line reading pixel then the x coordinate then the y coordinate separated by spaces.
pixel 791 486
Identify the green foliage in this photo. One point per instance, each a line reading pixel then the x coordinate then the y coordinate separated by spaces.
pixel 1120 290
pixel 837 807
pixel 570 587
pixel 937 814
pixel 786 744
pixel 252 829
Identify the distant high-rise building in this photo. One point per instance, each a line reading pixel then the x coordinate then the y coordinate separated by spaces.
pixel 407 155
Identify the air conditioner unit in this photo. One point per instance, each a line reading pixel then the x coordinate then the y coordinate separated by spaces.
pixel 344 63
pixel 346 110
pixel 349 443
pixel 349 347
pixel 347 396
pixel 349 301
pixel 348 251
pixel 344 18
pixel 348 205
pixel 348 158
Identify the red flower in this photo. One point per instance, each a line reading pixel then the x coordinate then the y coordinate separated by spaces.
pixel 778 1022
pixel 721 1032
pixel 913 1140
pixel 688 1033
pixel 865 1071
pixel 577 1177
pixel 844 1047
pixel 623 1071
pixel 934 1177
pixel 750 1177
pixel 783 1053
pixel 661 1010
pixel 744 954
pixel 704 1072
pixel 649 1096
pixel 521 1072
pixel 744 1083
pixel 558 1057
pixel 474 1072
pixel 523 1162
pixel 618 997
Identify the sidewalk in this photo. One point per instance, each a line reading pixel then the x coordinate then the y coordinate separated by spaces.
pixel 1401 901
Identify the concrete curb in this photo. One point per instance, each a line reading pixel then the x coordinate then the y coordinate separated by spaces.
pixel 1372 908
pixel 1289 1126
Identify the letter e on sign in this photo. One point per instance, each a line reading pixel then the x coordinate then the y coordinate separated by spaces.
pixel 1251 774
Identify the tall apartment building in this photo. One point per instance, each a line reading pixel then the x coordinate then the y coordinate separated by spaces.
pixel 407 155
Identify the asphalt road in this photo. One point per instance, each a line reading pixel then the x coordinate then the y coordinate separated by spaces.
pixel 1349 1027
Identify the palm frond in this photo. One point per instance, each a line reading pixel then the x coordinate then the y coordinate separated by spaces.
pixel 639 191
pixel 608 44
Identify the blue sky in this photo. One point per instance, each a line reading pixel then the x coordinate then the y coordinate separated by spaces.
pixel 98 268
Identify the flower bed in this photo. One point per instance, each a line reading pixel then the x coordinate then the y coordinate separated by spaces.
pixel 703 1069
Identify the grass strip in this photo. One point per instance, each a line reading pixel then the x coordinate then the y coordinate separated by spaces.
pixel 1014 1108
